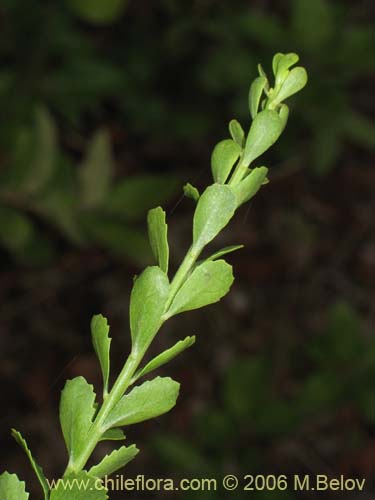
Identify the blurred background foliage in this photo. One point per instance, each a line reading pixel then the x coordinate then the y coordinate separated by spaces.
pixel 107 109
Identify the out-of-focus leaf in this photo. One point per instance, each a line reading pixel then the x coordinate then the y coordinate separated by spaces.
pixel 326 148
pixel 43 162
pixel 181 452
pixel 224 156
pixel 16 229
pixel 312 23
pixel 117 237
pixel 96 170
pixel 359 129
pixel 98 11
pixel 207 284
pixel 133 196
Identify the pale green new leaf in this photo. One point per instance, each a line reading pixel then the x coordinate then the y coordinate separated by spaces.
pixel 165 357
pixel 261 71
pixel 255 94
pixel 215 208
pixel 149 400
pixel 224 156
pixel 11 488
pixel 207 284
pixel 250 185
pixel 80 486
pixel 148 298
pixel 113 435
pixel 294 82
pixel 37 469
pixel 275 62
pixel 283 65
pixel 76 413
pixel 237 132
pixel 224 251
pixel 191 192
pixel 102 343
pixel 115 461
pixel 96 170
pixel 264 131
pixel 158 236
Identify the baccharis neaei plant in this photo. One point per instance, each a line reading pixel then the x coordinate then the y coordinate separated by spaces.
pixel 155 298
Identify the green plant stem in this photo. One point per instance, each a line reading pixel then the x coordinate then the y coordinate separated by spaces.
pixel 124 380
pixel 96 430
pixel 238 173
pixel 181 274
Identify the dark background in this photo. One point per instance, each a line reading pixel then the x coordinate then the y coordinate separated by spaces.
pixel 107 112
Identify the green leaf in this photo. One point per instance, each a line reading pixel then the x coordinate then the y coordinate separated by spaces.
pixel 275 62
pixel 76 414
pixel 96 170
pixel 224 251
pixel 115 461
pixel 165 357
pixel 191 192
pixel 264 131
pixel 37 469
pixel 250 185
pixel 133 196
pixel 207 284
pixel 11 488
pixel 261 71
pixel 215 208
pixel 80 486
pixel 97 11
pixel 255 94
pixel 283 65
pixel 149 400
pixel 158 235
pixel 147 301
pixel 237 132
pixel 293 83
pixel 102 343
pixel 113 435
pixel 224 156
pixel 284 114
